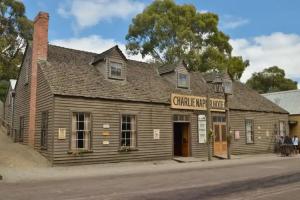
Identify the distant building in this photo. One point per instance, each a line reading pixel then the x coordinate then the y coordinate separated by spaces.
pixel 9 105
pixel 290 101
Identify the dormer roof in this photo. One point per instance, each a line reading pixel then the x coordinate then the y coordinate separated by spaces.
pixel 107 53
pixel 167 68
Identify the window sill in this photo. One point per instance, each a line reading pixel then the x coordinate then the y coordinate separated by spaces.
pixel 127 149
pixel 79 152
pixel 249 143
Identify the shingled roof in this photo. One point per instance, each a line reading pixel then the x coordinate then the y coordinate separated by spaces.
pixel 69 72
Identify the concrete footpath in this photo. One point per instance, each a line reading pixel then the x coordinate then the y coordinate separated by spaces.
pixel 19 163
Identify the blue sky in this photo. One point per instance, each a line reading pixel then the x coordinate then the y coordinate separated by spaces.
pixel 267 32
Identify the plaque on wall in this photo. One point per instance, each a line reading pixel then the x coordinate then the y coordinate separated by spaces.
pixel 62 133
pixel 202 128
pixel 156 134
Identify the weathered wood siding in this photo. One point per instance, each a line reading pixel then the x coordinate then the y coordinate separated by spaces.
pixel 264 131
pixel 23 95
pixel 44 103
pixel 8 107
pixel 149 117
pixel 295 129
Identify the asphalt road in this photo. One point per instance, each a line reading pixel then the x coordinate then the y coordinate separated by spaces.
pixel 260 181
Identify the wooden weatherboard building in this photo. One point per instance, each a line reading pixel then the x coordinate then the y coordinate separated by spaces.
pixel 77 107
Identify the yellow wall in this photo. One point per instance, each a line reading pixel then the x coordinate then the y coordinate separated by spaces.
pixel 295 129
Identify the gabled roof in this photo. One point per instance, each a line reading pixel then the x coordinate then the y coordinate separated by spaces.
pixel 245 98
pixel 102 55
pixel 289 100
pixel 167 68
pixel 69 72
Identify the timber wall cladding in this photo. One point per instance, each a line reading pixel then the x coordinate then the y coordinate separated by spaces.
pixel 264 137
pixel 22 95
pixel 44 103
pixel 8 107
pixel 295 129
pixel 149 117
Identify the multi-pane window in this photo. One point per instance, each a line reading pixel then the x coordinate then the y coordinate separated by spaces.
pixel 128 131
pixel 44 130
pixel 249 131
pixel 182 80
pixel 282 128
pixel 81 131
pixel 115 70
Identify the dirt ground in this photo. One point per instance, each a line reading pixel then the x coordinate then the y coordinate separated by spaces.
pixel 15 155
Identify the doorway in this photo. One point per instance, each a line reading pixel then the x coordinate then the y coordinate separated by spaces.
pixel 181 139
pixel 220 142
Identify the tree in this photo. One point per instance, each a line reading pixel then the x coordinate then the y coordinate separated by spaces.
pixel 169 32
pixel 15 30
pixel 271 80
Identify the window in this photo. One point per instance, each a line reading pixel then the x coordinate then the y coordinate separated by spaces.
pixel 81 131
pixel 44 130
pixel 21 131
pixel 182 80
pixel 282 128
pixel 128 131
pixel 181 118
pixel 115 70
pixel 249 131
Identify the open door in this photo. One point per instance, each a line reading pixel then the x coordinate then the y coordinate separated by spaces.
pixel 220 143
pixel 181 139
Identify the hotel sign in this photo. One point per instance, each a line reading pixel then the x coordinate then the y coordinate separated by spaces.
pixel 188 102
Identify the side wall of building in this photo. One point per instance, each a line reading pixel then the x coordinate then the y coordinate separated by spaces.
pixel 44 104
pixel 149 117
pixel 8 108
pixel 295 129
pixel 266 127
pixel 22 97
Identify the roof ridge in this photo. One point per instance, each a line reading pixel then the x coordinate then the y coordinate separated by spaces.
pixel 67 48
pixel 282 92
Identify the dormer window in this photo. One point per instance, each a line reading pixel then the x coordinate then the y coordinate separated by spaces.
pixel 182 80
pixel 115 70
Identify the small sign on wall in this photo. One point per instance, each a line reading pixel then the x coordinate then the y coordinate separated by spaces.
pixel 62 133
pixel 156 134
pixel 202 128
pixel 106 126
pixel 105 142
pixel 236 135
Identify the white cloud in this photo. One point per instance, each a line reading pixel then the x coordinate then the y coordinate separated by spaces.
pixel 231 22
pixel 278 49
pixel 90 12
pixel 96 44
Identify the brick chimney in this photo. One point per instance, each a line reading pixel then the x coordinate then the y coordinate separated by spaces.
pixel 39 52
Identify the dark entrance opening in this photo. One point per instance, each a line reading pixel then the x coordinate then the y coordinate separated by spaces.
pixel 181 139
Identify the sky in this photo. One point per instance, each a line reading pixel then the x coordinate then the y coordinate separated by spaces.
pixel 266 32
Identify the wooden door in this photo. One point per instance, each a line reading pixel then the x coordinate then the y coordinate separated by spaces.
pixel 220 143
pixel 185 140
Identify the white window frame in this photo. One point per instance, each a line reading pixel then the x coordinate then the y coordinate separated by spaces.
pixel 282 128
pixel 112 64
pixel 179 83
pixel 249 139
pixel 86 131
pixel 128 135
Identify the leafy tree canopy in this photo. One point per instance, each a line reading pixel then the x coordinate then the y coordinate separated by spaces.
pixel 15 30
pixel 271 80
pixel 169 32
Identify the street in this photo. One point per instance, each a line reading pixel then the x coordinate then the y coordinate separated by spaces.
pixel 265 180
